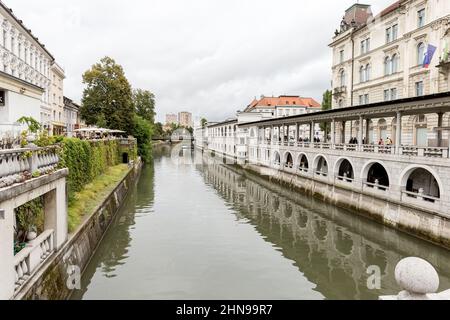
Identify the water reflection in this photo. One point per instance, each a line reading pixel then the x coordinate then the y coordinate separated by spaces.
pixel 332 247
pixel 213 231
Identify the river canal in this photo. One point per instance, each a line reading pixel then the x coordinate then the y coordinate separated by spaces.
pixel 212 231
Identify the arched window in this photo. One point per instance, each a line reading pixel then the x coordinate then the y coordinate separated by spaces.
pixel 368 71
pixel 420 53
pixel 342 78
pixel 394 63
pixel 362 74
pixel 387 66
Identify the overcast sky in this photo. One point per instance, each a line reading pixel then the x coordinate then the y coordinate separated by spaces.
pixel 209 57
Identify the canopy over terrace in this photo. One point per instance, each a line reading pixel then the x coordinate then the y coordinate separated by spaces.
pixel 436 103
pixel 98 133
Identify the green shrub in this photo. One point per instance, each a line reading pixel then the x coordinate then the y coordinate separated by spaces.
pixel 86 160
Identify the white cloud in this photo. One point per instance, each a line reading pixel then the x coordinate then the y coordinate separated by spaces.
pixel 210 57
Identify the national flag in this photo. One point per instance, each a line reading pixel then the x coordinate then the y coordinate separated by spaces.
pixel 429 56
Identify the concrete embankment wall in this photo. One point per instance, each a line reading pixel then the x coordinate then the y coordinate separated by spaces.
pixel 50 282
pixel 416 221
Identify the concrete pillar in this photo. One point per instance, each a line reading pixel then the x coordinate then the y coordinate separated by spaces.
pixel 311 131
pixel 297 132
pixel 367 131
pixel 7 273
pixel 360 130
pixel 343 132
pixel 333 131
pixel 55 208
pixel 398 133
pixel 439 132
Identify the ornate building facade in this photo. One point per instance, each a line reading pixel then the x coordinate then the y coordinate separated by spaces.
pixel 25 66
pixel 381 58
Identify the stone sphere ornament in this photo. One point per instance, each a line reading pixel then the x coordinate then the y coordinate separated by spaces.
pixel 417 276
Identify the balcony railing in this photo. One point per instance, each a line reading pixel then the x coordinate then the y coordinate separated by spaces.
pixel 430 152
pixel 32 256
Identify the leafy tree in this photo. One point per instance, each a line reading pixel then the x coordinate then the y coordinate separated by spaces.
pixel 143 131
pixel 158 131
pixel 108 94
pixel 144 104
pixel 326 105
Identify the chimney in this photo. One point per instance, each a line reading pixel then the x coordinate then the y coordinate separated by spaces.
pixel 358 14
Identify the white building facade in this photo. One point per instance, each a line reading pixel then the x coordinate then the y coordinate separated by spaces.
pixel 24 73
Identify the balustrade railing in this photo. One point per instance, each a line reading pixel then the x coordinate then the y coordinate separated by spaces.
pixel 32 256
pixel 19 165
pixel 430 152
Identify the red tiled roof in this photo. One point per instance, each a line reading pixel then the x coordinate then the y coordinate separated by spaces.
pixel 283 101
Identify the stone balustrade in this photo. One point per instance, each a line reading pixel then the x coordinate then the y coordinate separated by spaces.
pixel 419 281
pixel 434 152
pixel 32 256
pixel 19 165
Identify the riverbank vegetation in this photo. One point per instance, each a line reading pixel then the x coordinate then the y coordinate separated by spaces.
pixel 93 193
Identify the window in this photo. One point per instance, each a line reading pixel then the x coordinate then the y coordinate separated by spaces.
pixel 341 56
pixel 362 73
pixel 388 35
pixel 364 99
pixel 13 45
pixel 419 88
pixel 365 46
pixel 368 69
pixel 342 78
pixel 420 53
pixel 387 66
pixel 19 50
pixel 26 55
pixel 4 38
pixel 394 63
pixel 390 94
pixel 421 18
pixel 393 93
pixel 394 32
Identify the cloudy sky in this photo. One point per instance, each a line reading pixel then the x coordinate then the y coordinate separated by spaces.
pixel 210 57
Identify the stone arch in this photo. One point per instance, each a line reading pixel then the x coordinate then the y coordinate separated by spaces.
pixel 303 162
pixel 276 157
pixel 344 168
pixel 288 159
pixel 376 170
pixel 415 177
pixel 320 165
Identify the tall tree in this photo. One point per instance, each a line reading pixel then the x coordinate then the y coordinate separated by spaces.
pixel 144 104
pixel 203 123
pixel 107 97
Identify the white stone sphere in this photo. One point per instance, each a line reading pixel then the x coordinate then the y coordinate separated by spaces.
pixel 416 275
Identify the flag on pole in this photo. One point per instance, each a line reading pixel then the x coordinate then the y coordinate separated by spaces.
pixel 429 56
